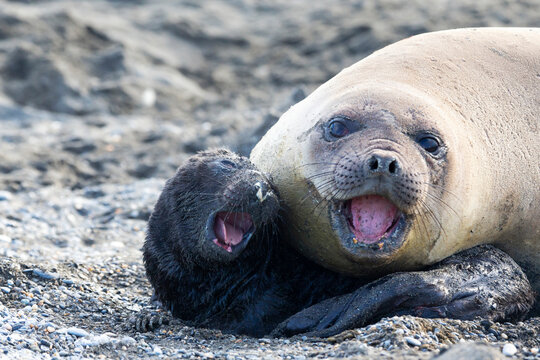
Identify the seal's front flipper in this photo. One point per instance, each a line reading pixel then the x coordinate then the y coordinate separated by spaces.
pixel 481 281
pixel 484 282
pixel 320 316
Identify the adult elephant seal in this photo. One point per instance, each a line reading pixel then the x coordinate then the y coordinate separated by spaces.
pixel 425 148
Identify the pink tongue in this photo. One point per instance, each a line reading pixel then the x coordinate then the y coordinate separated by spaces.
pixel 372 217
pixel 231 227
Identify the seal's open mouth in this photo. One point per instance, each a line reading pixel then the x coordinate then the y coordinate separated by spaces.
pixel 232 229
pixel 371 218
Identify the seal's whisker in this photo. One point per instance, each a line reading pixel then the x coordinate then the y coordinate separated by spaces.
pixel 420 224
pixel 443 189
pixel 316 164
pixel 433 216
pixel 324 201
pixel 322 174
pixel 321 190
pixel 441 201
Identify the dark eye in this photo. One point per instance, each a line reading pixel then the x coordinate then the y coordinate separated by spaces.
pixel 228 164
pixel 338 128
pixel 429 143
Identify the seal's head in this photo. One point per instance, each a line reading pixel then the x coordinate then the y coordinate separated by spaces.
pixel 376 172
pixel 362 170
pixel 209 211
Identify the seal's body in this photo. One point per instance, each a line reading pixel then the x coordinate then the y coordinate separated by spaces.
pixel 213 258
pixel 425 148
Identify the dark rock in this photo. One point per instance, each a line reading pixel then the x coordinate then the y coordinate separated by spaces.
pixel 143 171
pixel 78 146
pixel 108 63
pixel 194 145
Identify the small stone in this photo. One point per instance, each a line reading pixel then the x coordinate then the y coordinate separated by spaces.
pixel 5 196
pixel 486 323
pixel 45 343
pixel 128 341
pixel 50 329
pixel 412 341
pixel 149 97
pixel 304 338
pixel 156 350
pixel 509 350
pixel 5 289
pixel 400 332
pixel 504 336
pixel 41 274
pixel 77 332
pixel 534 350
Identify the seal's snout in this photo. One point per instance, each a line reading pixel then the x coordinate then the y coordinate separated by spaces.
pixel 263 191
pixel 383 164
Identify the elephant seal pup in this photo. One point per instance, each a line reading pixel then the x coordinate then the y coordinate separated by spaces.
pixel 427 147
pixel 213 258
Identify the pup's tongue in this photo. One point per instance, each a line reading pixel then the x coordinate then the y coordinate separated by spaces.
pixel 372 217
pixel 230 228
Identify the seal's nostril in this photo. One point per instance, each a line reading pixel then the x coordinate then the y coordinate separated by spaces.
pixel 392 168
pixel 373 163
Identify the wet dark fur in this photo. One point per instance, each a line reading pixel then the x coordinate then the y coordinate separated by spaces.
pixel 251 294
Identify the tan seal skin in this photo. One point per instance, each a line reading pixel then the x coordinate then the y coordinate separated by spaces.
pixel 479 90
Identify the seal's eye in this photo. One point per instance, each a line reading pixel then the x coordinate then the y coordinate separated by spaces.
pixel 228 164
pixel 338 128
pixel 429 143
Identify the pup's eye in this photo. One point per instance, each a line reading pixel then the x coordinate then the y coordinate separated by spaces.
pixel 429 143
pixel 228 164
pixel 338 128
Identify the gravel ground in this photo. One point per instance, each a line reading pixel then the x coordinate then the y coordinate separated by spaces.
pixel 101 100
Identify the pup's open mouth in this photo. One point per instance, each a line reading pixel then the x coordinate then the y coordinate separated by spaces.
pixel 371 218
pixel 232 230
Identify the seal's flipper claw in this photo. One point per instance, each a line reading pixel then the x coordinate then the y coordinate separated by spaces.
pixel 149 321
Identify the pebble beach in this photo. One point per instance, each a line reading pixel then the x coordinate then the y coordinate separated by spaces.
pixel 100 102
